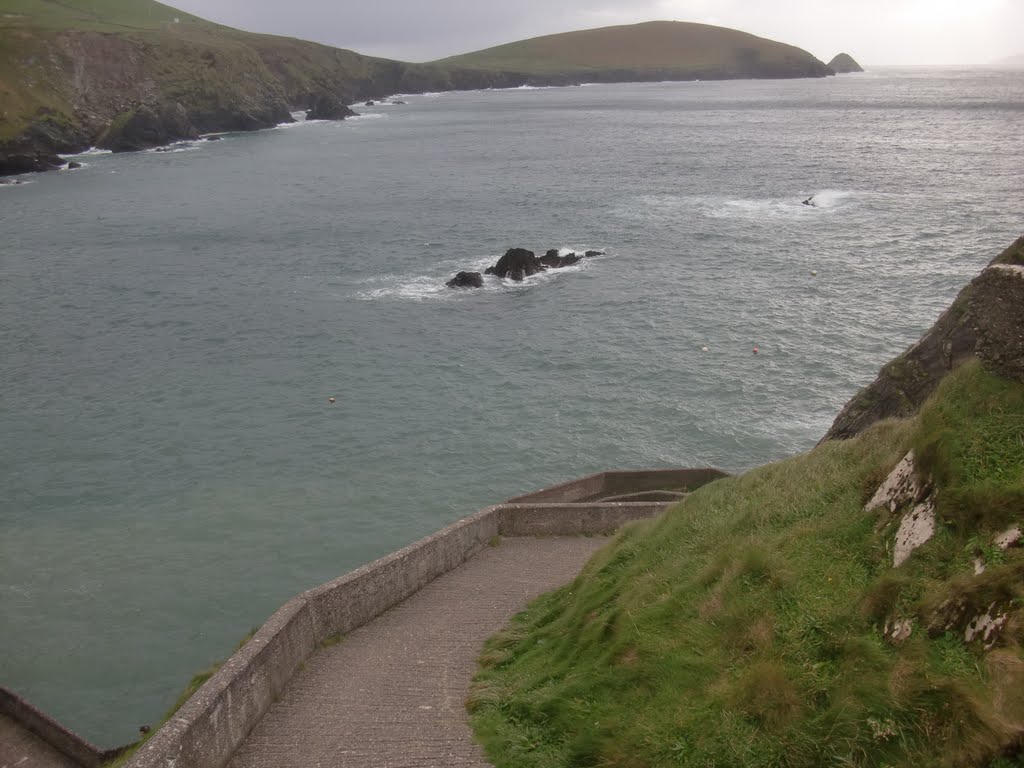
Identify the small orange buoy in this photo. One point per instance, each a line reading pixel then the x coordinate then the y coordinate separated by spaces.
pixel 756 350
pixel 330 400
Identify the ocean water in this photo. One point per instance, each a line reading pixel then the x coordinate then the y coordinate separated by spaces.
pixel 172 324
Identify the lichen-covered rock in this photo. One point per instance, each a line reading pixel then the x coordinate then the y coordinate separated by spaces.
pixel 900 488
pixel 985 627
pixel 916 528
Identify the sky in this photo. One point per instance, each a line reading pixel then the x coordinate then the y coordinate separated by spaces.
pixel 875 32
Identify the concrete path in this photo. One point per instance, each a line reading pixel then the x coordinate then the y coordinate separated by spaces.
pixel 23 749
pixel 392 694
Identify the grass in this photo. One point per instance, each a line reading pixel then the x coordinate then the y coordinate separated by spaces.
pixel 193 685
pixel 744 626
pixel 689 50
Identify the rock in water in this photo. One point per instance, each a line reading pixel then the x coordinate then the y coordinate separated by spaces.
pixel 516 264
pixel 328 107
pixel 844 63
pixel 588 254
pixel 72 165
pixel 466 280
pixel 553 260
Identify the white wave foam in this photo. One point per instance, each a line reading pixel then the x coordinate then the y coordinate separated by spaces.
pixel 172 149
pixel 427 287
pixel 15 183
pixel 669 207
pixel 828 198
pixel 90 151
pixel 370 116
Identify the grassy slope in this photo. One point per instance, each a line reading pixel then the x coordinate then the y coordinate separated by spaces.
pixel 742 628
pixel 654 46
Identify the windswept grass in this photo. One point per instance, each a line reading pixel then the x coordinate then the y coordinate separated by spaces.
pixel 686 49
pixel 193 685
pixel 744 626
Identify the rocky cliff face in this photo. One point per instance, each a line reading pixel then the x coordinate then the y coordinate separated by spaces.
pixel 985 321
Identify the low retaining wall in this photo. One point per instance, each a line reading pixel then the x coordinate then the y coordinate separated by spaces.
pixel 592 487
pixel 212 724
pixel 52 733
pixel 595 519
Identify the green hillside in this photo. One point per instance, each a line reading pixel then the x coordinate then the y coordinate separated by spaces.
pixel 650 50
pixel 784 617
pixel 71 70
pixel 127 74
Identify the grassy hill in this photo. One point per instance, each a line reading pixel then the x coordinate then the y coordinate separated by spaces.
pixel 762 622
pixel 655 49
pixel 78 72
pixel 71 69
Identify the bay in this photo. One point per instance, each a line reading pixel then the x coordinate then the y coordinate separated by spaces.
pixel 172 324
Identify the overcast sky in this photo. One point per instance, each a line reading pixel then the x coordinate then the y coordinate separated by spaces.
pixel 873 31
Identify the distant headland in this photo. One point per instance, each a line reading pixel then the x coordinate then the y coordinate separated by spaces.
pixel 76 74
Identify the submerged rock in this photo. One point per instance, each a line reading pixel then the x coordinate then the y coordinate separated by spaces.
pixel 588 254
pixel 72 165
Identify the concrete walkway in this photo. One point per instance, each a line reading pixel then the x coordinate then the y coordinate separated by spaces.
pixel 392 694
pixel 23 749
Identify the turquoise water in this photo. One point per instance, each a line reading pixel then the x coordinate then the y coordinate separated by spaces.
pixel 172 324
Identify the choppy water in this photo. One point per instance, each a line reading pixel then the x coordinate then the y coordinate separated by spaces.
pixel 172 324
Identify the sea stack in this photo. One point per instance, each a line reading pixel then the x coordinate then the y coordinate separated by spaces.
pixel 845 63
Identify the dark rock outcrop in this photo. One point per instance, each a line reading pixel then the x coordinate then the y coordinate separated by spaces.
pixel 72 165
pixel 588 254
pixel 516 264
pixel 466 280
pixel 148 126
pixel 553 260
pixel 328 107
pixel 39 147
pixel 844 63
pixel 985 321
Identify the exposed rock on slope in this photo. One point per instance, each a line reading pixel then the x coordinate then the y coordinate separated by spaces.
pixel 845 63
pixel 986 321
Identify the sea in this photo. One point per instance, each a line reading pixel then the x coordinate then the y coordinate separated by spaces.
pixel 173 325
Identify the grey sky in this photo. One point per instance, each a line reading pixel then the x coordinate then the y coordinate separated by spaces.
pixel 873 31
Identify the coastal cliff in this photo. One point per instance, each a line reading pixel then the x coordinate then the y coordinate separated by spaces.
pixel 76 73
pixel 986 321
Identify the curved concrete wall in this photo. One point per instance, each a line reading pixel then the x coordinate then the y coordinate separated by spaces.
pixel 211 725
pixel 69 744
